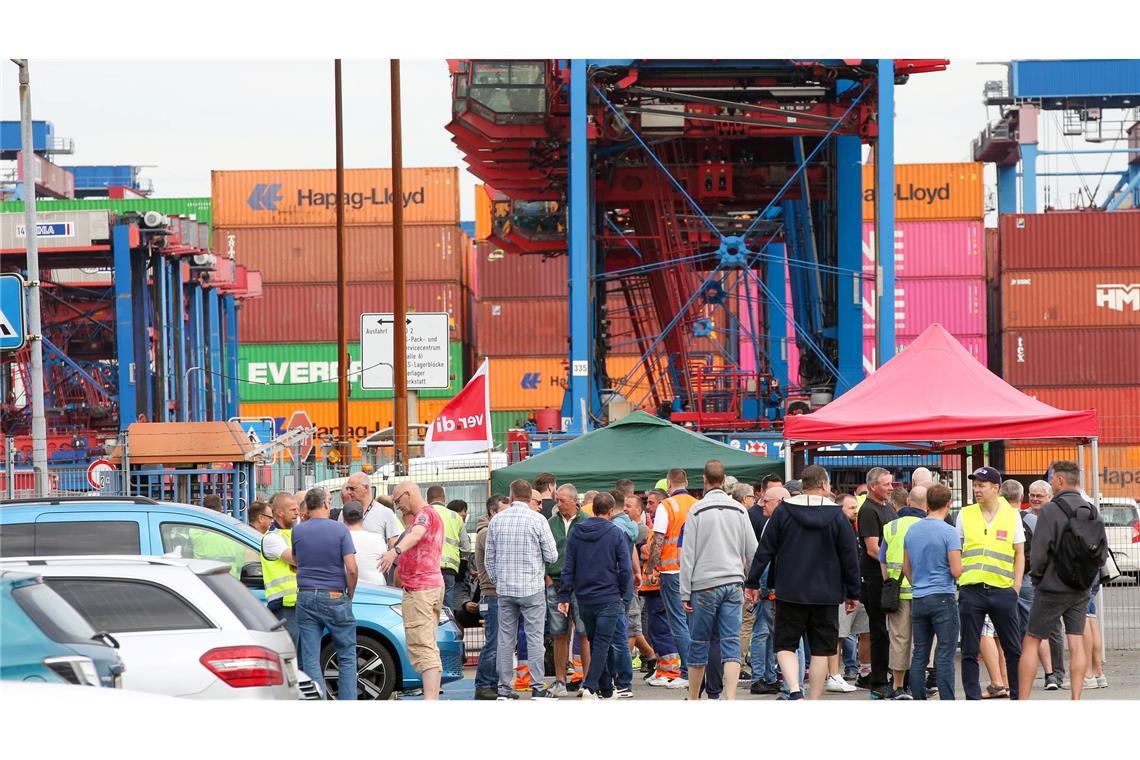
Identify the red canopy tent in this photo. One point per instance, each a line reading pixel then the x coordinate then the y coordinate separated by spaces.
pixel 935 396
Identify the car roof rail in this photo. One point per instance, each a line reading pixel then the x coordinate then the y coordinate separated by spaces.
pixel 78 500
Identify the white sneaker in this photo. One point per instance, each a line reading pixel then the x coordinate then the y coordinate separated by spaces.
pixel 1091 682
pixel 1101 682
pixel 657 681
pixel 678 683
pixel 838 685
pixel 585 693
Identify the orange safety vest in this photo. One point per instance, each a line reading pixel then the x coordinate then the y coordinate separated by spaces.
pixel 645 586
pixel 678 507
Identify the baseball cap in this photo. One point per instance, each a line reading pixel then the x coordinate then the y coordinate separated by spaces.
pixel 987 475
pixel 352 510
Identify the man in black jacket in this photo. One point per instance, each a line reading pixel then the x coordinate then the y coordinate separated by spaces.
pixel 811 541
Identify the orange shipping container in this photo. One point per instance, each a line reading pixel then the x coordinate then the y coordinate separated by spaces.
pixel 927 191
pixel 539 382
pixel 271 197
pixel 482 213
pixel 1117 408
pixel 1071 297
pixel 1118 466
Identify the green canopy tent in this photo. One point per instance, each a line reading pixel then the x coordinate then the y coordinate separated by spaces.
pixel 640 447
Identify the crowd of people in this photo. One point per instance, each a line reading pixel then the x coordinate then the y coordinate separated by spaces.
pixel 791 588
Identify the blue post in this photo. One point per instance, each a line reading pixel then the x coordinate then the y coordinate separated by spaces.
pixel 124 325
pixel 582 385
pixel 162 336
pixel 232 387
pixel 1130 186
pixel 182 341
pixel 197 333
pixel 214 360
pixel 1028 177
pixel 1007 189
pixel 885 212
pixel 849 224
pixel 777 323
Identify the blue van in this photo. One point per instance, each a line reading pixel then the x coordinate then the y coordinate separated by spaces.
pixel 45 639
pixel 84 525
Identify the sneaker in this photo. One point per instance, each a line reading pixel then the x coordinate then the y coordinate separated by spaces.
pixel 506 697
pixel 764 687
pixel 649 665
pixel 1101 682
pixel 624 693
pixel 635 662
pixel 573 686
pixel 836 684
pixel 487 692
pixel 558 689
pixel 851 674
pixel 540 693
pixel 932 679
pixel 587 694
pixel 901 695
pixel 791 697
pixel 680 683
pixel 1091 683
pixel 882 692
pixel 863 682
pixel 1052 682
pixel 657 681
pixel 745 675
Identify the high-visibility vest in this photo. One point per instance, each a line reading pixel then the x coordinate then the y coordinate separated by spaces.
pixel 987 551
pixel 452 527
pixel 678 507
pixel 645 585
pixel 895 533
pixel 279 576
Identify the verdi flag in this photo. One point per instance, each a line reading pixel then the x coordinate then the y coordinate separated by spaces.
pixel 464 425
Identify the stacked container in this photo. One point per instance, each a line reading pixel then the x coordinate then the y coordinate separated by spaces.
pixel 283 223
pixel 940 256
pixel 1070 317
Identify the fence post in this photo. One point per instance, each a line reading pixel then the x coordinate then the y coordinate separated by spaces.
pixel 10 466
pixel 125 437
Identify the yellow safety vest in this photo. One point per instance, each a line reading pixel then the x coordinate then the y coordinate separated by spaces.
pixel 894 533
pixel 280 577
pixel 452 527
pixel 987 551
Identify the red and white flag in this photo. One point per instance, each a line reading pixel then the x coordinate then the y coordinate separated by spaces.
pixel 464 425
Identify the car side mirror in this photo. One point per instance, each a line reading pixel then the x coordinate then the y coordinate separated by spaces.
pixel 252 575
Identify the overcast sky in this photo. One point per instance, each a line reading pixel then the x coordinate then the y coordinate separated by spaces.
pixel 184 118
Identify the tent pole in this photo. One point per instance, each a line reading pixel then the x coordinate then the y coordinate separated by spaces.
pixel 787 460
pixel 965 476
pixel 1096 500
pixel 1081 464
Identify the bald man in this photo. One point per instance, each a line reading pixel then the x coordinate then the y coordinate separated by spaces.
pixel 378 518
pixel 418 554
pixel 899 632
pixel 921 477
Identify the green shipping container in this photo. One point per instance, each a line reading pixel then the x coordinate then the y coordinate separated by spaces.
pixel 501 422
pixel 308 372
pixel 198 207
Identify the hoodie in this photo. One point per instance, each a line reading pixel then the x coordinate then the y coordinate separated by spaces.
pixel 811 541
pixel 598 568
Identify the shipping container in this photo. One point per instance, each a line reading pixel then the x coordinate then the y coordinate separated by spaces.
pixel 522 327
pixel 1071 298
pixel 1069 240
pixel 992 265
pixel 271 198
pixel 932 249
pixel 537 382
pixel 975 344
pixel 292 313
pixel 1117 408
pixel 308 372
pixel 930 192
pixel 1075 356
pixel 483 213
pixel 1117 465
pixel 308 254
pixel 199 208
pixel 958 304
pixel 510 275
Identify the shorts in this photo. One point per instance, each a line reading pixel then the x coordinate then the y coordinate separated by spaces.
pixel 791 621
pixel 900 636
pixel 1092 597
pixel 634 628
pixel 1050 606
pixel 558 624
pixel 421 618
pixel 855 623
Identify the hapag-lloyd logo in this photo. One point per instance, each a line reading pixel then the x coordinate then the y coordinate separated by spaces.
pixel 267 197
pixel 1116 296
pixel 913 193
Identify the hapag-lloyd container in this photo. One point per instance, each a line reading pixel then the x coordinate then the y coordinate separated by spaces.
pixel 1071 298
pixel 1119 466
pixel 308 254
pixel 1070 240
pixel 510 275
pixel 1074 356
pixel 932 249
pixel 930 191
pixel 270 197
pixel 1117 408
pixel 537 382
pixel 958 304
pixel 291 313
pixel 975 344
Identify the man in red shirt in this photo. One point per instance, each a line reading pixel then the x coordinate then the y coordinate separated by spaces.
pixel 418 553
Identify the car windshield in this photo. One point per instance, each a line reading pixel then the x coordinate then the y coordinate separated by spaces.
pixel 53 614
pixel 252 614
pixel 1118 516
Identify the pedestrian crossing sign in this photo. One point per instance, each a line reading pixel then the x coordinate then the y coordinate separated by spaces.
pixel 13 325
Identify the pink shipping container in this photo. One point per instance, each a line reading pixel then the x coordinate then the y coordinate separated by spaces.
pixel 932 249
pixel 509 275
pixel 751 297
pixel 958 304
pixel 975 344
pixel 291 313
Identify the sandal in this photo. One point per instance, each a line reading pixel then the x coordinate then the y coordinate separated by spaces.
pixel 996 692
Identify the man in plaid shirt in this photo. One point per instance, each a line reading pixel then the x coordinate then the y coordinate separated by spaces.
pixel 519 546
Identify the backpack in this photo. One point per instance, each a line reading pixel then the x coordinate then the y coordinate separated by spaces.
pixel 1028 540
pixel 1080 549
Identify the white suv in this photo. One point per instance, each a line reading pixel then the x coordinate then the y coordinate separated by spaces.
pixel 185 628
pixel 1122 526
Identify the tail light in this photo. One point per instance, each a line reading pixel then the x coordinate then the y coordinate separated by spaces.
pixel 244 666
pixel 1136 532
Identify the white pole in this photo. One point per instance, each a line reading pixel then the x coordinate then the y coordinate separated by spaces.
pixel 787 460
pixel 1095 482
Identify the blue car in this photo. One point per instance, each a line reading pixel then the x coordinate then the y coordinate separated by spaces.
pixel 82 525
pixel 44 639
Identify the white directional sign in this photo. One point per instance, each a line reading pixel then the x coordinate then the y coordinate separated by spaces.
pixel 428 355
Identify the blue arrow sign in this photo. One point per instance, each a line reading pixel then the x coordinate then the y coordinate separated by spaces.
pixel 13 325
pixel 529 381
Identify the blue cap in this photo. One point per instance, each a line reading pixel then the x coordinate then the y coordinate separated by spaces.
pixel 987 475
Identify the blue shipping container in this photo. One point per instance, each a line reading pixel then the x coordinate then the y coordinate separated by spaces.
pixel 1093 79
pixel 101 177
pixel 42 134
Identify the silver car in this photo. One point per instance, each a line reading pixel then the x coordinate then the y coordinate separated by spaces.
pixel 1122 526
pixel 185 628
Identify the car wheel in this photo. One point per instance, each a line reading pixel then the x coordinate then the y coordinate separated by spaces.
pixel 375 669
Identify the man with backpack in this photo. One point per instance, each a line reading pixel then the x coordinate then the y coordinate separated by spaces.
pixel 1069 547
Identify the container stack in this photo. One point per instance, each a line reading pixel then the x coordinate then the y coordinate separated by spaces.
pixel 283 222
pixel 1070 314
pixel 940 262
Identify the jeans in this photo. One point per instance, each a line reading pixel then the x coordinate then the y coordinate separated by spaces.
pixel 880 638
pixel 934 616
pixel 318 611
pixel 486 674
pixel 619 668
pixel 713 684
pixel 448 589
pixel 850 652
pixel 678 621
pixel 603 623
pixel 660 634
pixel 974 603
pixel 532 610
pixel 762 657
pixel 716 609
pixel 289 616
pixel 1056 636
